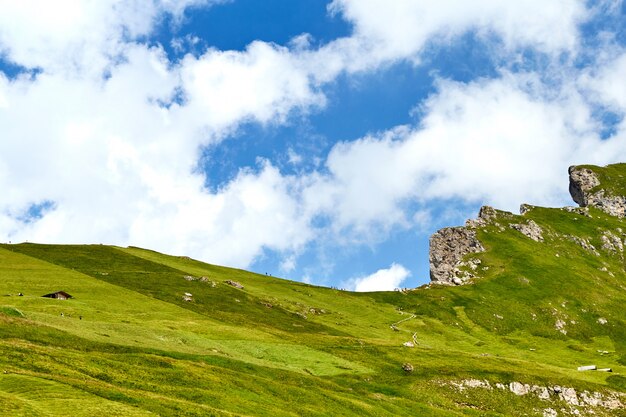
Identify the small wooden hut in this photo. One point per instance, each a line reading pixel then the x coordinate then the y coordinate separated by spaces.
pixel 59 295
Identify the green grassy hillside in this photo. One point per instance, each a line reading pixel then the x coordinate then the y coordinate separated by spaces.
pixel 128 343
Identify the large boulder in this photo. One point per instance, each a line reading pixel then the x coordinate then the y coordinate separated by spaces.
pixel 586 189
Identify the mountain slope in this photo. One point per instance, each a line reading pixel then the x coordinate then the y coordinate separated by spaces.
pixel 152 334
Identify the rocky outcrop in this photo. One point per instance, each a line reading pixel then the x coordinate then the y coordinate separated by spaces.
pixel 582 401
pixel 448 247
pixel 530 229
pixel 581 182
pixel 525 208
pixel 585 188
pixel 486 215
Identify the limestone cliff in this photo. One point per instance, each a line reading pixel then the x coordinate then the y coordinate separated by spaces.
pixel 587 189
pixel 448 248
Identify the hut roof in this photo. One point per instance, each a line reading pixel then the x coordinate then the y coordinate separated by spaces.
pixel 58 294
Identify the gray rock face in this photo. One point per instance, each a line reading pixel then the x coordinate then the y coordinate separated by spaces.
pixel 486 215
pixel 525 208
pixel 530 229
pixel 447 248
pixel 582 181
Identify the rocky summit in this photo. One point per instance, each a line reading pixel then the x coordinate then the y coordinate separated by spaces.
pixel 589 186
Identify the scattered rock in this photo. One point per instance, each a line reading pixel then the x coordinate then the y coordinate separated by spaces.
pixel 541 392
pixel 585 400
pixel 560 326
pixel 602 320
pixel 549 412
pixel 206 280
pixel 407 367
pixel 187 297
pixel 234 284
pixel 569 396
pixel 472 383
pixel 519 388
pixel 529 229
pixel 583 211
pixel 594 399
pixel 583 243
pixel 408 344
pixel 477 383
pixel 612 243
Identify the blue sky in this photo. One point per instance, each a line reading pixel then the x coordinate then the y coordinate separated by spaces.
pixel 322 141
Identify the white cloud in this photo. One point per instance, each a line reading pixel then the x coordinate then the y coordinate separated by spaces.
pixel 381 280
pixel 607 82
pixel 232 226
pixel 120 167
pixel 386 31
pixel 500 142
pixel 117 154
pixel 293 157
pixel 264 83
pixel 78 36
pixel 288 264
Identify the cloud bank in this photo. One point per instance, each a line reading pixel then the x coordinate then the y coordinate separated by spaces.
pixel 102 132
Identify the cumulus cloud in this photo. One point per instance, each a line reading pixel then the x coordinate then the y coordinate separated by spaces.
pixel 385 31
pixel 117 155
pixel 232 226
pixel 501 142
pixel 119 166
pixel 264 83
pixel 381 280
pixel 79 36
pixel 607 82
